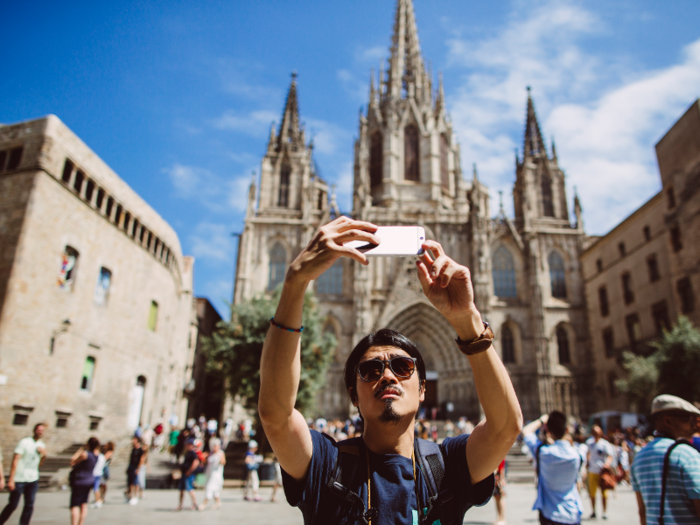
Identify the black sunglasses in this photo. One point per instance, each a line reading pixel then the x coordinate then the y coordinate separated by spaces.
pixel 372 369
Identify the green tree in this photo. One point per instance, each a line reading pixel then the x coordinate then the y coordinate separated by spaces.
pixel 233 351
pixel 671 368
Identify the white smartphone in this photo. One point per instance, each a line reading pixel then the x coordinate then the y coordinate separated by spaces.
pixel 395 240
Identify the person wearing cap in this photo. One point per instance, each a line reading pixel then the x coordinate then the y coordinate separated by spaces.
pixel 673 418
pixel 189 465
pixel 385 379
pixel 252 463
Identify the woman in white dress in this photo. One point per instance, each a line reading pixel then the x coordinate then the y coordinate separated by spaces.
pixel 214 473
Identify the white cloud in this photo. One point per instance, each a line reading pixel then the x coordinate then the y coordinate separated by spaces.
pixel 255 123
pixel 605 115
pixel 327 136
pixel 216 193
pixel 212 241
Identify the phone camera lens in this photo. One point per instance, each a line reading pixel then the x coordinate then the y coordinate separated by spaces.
pixel 421 238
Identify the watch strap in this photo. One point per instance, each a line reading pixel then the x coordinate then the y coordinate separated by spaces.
pixel 478 345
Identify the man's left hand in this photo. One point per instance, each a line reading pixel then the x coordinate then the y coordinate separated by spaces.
pixel 448 286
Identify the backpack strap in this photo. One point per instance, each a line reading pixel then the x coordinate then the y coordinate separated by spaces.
pixel 537 460
pixel 441 502
pixel 346 471
pixel 667 460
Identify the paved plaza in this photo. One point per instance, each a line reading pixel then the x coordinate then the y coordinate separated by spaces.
pixel 159 505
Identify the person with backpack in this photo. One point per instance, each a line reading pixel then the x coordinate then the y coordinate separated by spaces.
pixel 558 464
pixel 386 476
pixel 666 473
pixel 82 479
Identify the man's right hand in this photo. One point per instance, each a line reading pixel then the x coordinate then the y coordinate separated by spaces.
pixel 328 245
pixel 11 485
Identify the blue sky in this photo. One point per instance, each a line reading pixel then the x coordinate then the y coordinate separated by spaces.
pixel 178 97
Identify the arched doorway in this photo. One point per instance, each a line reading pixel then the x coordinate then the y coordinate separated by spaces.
pixel 449 383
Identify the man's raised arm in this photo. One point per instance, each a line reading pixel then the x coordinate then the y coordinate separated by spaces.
pixel 448 287
pixel 280 365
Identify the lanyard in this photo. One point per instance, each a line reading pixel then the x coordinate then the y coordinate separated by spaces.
pixel 369 486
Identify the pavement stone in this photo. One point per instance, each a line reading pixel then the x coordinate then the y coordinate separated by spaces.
pixel 159 505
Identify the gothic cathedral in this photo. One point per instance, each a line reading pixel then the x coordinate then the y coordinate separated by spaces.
pixel 407 171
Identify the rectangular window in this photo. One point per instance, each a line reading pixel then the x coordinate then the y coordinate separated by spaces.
pixel 100 198
pixel 153 316
pixel 110 205
pixel 88 374
pixel 104 280
pixel 3 159
pixel 89 190
pixel 134 232
pixel 603 301
pixel 634 330
pixel 95 422
pixel 609 342
pixel 647 233
pixel 15 158
pixel 676 242
pixel 78 182
pixel 627 292
pixel 118 216
pixel 653 267
pixel 671 198
pixel 623 250
pixel 62 419
pixel 659 312
pixel 599 265
pixel 67 171
pixel 20 420
pixel 685 291
pixel 127 222
pixel 69 268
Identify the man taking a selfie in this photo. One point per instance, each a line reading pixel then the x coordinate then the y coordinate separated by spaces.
pixel 384 477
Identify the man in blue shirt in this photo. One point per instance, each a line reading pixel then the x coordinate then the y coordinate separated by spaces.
pixel 673 418
pixel 381 380
pixel 559 463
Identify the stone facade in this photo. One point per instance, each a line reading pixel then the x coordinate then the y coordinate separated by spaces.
pixel 96 307
pixel 202 391
pixel 644 273
pixel 407 171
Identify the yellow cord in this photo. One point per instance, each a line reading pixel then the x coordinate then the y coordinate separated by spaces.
pixel 369 486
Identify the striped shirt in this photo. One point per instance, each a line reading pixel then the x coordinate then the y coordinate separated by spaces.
pixel 682 482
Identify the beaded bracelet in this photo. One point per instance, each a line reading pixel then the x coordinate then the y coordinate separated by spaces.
pixel 282 327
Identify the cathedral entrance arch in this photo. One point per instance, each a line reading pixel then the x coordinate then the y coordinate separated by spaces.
pixel 448 381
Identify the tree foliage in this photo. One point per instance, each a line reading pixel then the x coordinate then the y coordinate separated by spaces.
pixel 671 368
pixel 233 351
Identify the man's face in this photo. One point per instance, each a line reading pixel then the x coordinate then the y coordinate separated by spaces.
pixel 390 398
pixel 39 431
pixel 597 432
pixel 135 442
pixel 682 425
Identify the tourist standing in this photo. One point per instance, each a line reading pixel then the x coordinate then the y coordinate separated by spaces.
pixel 189 464
pixel 145 467
pixel 214 473
pixel 82 479
pixel 101 473
pixel 499 492
pixel 663 463
pixel 136 459
pixel 600 457
pixel 558 464
pixel 28 456
pixel 252 463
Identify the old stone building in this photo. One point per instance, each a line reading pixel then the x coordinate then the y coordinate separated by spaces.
pixel 644 273
pixel 96 307
pixel 407 171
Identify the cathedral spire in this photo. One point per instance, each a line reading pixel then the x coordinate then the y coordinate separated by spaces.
pixel 290 130
pixel 534 145
pixel 406 66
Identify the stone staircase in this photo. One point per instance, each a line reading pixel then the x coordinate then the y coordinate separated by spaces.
pixel 518 466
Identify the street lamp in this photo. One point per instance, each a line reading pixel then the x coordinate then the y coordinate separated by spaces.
pixel 65 325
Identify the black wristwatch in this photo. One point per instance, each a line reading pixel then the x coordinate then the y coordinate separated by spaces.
pixel 478 345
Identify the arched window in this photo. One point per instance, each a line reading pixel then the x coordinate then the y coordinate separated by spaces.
pixel 547 206
pixel 285 174
pixel 444 163
pixel 330 282
pixel 375 160
pixel 507 345
pixel 278 262
pixel 504 273
pixel 411 153
pixel 563 346
pixel 557 275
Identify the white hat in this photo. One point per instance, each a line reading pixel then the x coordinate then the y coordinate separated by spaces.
pixel 252 444
pixel 667 402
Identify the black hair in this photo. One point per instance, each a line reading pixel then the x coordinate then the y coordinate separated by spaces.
pixel 93 443
pixel 383 337
pixel 556 424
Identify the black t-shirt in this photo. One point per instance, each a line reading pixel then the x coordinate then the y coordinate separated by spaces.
pixel 135 458
pixel 393 489
pixel 190 457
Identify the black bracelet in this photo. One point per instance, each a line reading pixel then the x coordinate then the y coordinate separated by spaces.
pixel 282 327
